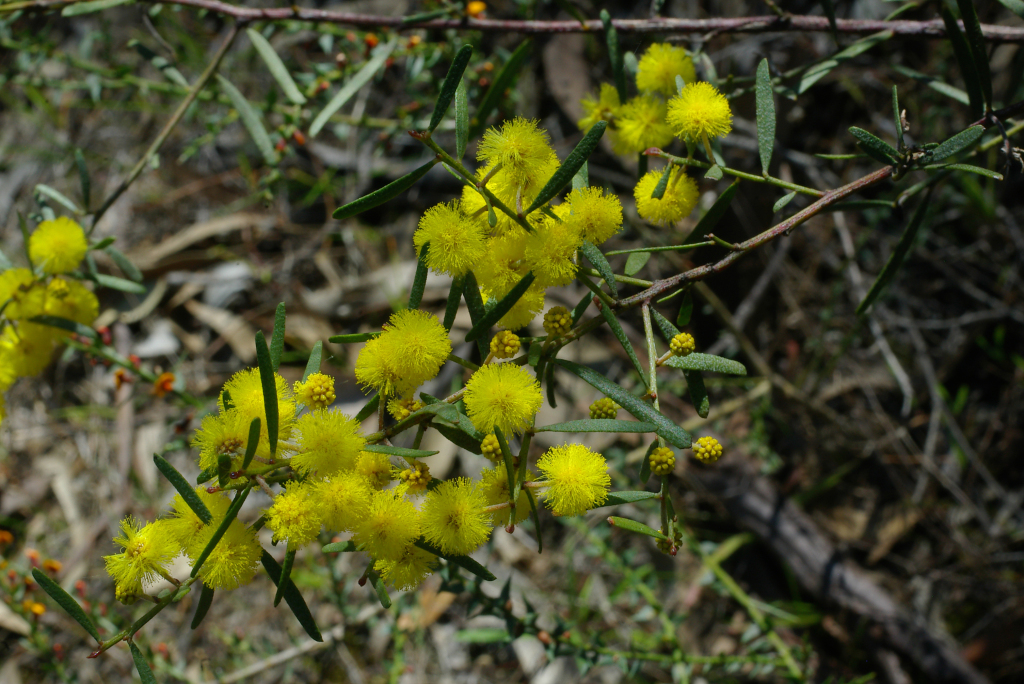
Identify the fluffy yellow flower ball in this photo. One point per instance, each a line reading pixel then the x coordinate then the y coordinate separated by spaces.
pixel 57 246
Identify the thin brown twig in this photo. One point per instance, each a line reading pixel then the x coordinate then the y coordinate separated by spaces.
pixel 756 24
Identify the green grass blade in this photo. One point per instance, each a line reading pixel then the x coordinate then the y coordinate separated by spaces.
pixel 976 43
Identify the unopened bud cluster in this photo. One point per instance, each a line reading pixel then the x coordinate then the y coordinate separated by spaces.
pixel 490 448
pixel 663 461
pixel 505 345
pixel 417 476
pixel 707 449
pixel 605 409
pixel 557 321
pixel 682 344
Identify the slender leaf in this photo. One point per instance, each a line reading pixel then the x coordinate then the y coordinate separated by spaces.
pixel 277 337
pixel 206 475
pixel 620 335
pixel 706 363
pixel 581 308
pixel 818 71
pixel 315 358
pixel 385 194
pixel 83 177
pixel 464 562
pixel 293 598
pixel 450 85
pixel 783 201
pixel 355 337
pixel 582 178
pixel 65 601
pixel 685 309
pixel 634 526
pixel 976 43
pixel 419 280
pixel 962 51
pixel 379 588
pixel 277 68
pixel 619 498
pixel 58 197
pixel 892 266
pixel 451 307
pixel 1015 6
pixel 461 119
pixel 250 119
pixel 115 283
pixel 369 409
pixel 598 425
pixel 286 574
pixel 830 12
pixel 398 451
pixel 709 220
pixel 615 55
pixel 354 84
pixel 662 186
pixel 187 492
pixel 123 263
pixel 957 143
pixel 636 261
pixel 935 84
pixel 159 62
pixel 875 147
pixel 506 453
pixel 970 169
pixel 698 392
pixel 765 102
pixel 252 442
pixel 269 383
pixel 668 430
pixel 549 381
pixel 458 437
pixel 145 674
pixel 502 82
pixel 483 635
pixel 203 607
pixel 65 324
pixel 576 159
pixel 229 517
pixel 536 521
pixel 340 547
pixel 501 308
pixel 475 304
pixel 92 6
pixel 896 118
pixel 600 262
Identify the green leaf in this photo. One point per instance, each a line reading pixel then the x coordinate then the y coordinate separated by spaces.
pixel 451 307
pixel 581 308
pixel 709 220
pixel 483 635
pixel 636 261
pixel 285 577
pixel 229 517
pixel 818 71
pixel 506 453
pixel 58 197
pixel 698 392
pixel 962 51
pixel 830 11
pixel 662 186
pixel 293 598
pixel 976 43
pixel 969 168
pixel 645 465
pixel 277 337
pixel 668 331
pixel 582 178
pixel 1015 6
pixel 892 266
pixel 250 119
pixel 576 159
pixel 368 410
pixel 935 84
pixel 597 258
pixel 419 280
pixel 92 6
pixel 398 451
pixel 183 488
pixel 875 147
pixel 340 547
pixel 388 192
pixel 206 475
pixel 145 674
pixel 315 357
pixel 669 431
pixel 685 309
pixel 66 601
pixel 783 201
pixel 706 363
pixel 276 66
pixel 203 607
pixel 766 114
pixel 619 498
pixel 65 324
pixel 126 266
pixel 269 383
pixel 459 437
pixel 252 442
pixel 639 528
pixel 464 562
pixel 505 305
pixel 355 337
pixel 536 521
pixel 379 588
pixel 614 55
pixel 620 335
pixel 159 62
pixel 115 283
pixel 957 143
pixel 354 84
pixel 83 177
pixel 502 82
pixel 714 173
pixel 598 425
pixel 461 119
pixel 896 118
pixel 475 304
pixel 450 85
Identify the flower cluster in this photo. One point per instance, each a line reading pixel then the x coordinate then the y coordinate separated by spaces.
pixel 46 289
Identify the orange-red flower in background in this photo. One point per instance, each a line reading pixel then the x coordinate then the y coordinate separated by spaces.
pixel 163 384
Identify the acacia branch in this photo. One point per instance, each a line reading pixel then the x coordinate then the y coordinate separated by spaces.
pixel 758 24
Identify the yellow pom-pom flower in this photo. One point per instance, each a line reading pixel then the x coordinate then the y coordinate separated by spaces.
pixel 557 321
pixel 223 434
pixel 184 526
pixel 662 461
pixel 72 300
pixel 604 108
pixel 682 344
pixel 409 571
pixel 146 552
pixel 23 295
pixel 391 523
pixel 295 515
pixel 604 409
pixel 29 348
pixel 505 344
pixel 520 147
pixel 401 409
pixel 410 351
pixel 680 197
pixel 525 310
pixel 416 477
pixel 551 252
pixel 640 125
pixel 454 519
pixel 699 112
pixel 577 479
pixel 316 391
pixel 234 560
pixel 375 468
pixel 597 215
pixel 246 391
pixel 707 449
pixel 502 395
pixel 457 243
pixel 659 66
pixel 502 267
pixel 57 246
pixel 328 442
pixel 494 485
pixel 344 498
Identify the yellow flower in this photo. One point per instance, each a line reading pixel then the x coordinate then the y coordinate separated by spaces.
pixel 494 485
pixel 296 515
pixel 490 449
pixel 224 434
pixel 235 559
pixel 551 252
pixel 598 216
pixel 146 552
pixel 344 498
pixel 604 108
pixel 316 392
pixel 400 409
pixel 57 246
pixel 640 125
pixel 577 479
pixel 680 197
pixel 410 351
pixel 502 395
pixel 519 146
pixel 246 391
pixel 457 243
pixel 329 442
pixel 409 571
pixel 184 526
pixel 659 66
pixel 707 449
pixel 525 310
pixel 375 468
pixel 29 348
pixel 502 266
pixel 682 344
pixel 700 112
pixel 416 477
pixel 23 295
pixel 72 300
pixel 453 517
pixel 390 525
